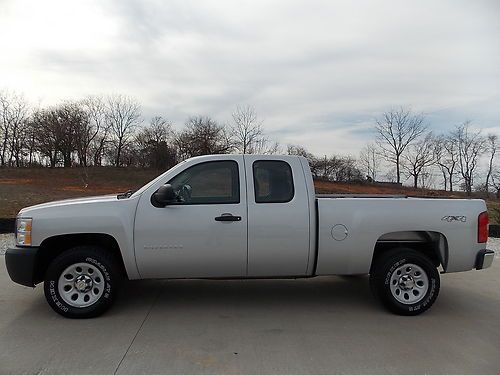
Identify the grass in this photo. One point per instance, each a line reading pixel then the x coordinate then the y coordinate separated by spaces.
pixel 25 187
pixel 21 187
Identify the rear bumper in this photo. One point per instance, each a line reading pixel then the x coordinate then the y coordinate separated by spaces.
pixel 484 259
pixel 20 262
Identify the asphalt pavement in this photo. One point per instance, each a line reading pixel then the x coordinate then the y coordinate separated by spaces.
pixel 327 325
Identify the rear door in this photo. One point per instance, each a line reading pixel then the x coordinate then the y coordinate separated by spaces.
pixel 278 216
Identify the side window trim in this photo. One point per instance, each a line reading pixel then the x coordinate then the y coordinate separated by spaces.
pixel 236 178
pixel 292 195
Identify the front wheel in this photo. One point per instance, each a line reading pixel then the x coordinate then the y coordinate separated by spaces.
pixel 81 282
pixel 406 281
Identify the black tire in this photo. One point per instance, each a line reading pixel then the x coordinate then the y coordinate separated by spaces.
pixel 96 258
pixel 387 266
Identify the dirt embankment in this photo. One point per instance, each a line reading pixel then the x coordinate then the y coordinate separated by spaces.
pixel 21 187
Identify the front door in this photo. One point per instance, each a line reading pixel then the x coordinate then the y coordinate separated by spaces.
pixel 202 235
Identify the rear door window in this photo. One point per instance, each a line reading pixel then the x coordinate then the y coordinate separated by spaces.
pixel 273 181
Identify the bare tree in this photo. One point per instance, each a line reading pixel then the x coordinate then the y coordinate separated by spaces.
pixel 5 125
pixel 390 175
pixel 246 129
pixel 71 121
pixel 266 147
pixel 302 151
pixel 159 130
pixel 55 131
pixel 48 134
pixel 397 129
pixel 94 133
pixel 418 157
pixel 495 182
pixel 470 146
pixel 247 133
pixel 491 148
pixel 326 167
pixel 156 145
pixel 123 115
pixel 344 169
pixel 299 151
pixel 426 179
pixel 334 168
pixel 18 117
pixel 14 113
pixel 446 158
pixel 18 142
pixel 369 161
pixel 31 141
pixel 203 136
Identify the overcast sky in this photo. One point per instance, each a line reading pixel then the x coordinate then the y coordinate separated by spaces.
pixel 318 73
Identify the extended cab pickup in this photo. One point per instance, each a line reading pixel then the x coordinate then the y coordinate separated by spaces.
pixel 251 216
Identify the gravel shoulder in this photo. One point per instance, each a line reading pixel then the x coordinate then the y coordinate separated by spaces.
pixel 494 244
pixel 6 240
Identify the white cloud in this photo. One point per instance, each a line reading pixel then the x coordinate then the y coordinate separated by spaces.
pixel 317 72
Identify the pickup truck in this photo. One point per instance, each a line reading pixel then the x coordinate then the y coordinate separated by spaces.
pixel 244 216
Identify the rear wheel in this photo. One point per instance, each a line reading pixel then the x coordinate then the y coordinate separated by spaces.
pixel 406 281
pixel 81 282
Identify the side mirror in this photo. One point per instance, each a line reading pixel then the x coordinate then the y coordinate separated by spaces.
pixel 163 196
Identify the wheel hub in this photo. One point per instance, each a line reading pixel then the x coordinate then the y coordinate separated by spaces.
pixel 83 283
pixel 406 282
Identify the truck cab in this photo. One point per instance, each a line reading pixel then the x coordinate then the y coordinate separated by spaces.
pixel 231 216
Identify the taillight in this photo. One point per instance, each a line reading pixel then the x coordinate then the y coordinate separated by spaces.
pixel 482 227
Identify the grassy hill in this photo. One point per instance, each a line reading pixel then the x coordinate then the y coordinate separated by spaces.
pixel 24 187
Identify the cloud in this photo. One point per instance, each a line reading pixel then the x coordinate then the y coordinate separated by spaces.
pixel 317 72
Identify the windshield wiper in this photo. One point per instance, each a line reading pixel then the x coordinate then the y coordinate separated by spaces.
pixel 125 195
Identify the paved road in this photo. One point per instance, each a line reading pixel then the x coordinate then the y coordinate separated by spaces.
pixel 328 325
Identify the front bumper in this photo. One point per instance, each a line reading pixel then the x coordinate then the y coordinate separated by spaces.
pixel 21 262
pixel 484 259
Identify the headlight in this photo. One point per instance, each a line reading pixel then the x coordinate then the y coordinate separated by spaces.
pixel 23 231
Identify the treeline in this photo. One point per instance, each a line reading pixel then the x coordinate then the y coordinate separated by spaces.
pixel 404 142
pixel 334 168
pixel 111 130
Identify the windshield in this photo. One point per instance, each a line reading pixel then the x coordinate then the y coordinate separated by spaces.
pixel 152 182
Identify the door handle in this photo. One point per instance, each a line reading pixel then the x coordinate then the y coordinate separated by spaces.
pixel 228 217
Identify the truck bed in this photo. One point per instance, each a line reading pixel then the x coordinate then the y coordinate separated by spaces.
pixel 361 196
pixel 350 226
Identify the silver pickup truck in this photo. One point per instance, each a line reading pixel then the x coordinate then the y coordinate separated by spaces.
pixel 251 216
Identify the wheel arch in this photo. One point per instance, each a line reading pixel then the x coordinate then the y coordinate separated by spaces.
pixel 432 244
pixel 51 247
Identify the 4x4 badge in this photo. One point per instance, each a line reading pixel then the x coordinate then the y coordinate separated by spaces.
pixel 452 218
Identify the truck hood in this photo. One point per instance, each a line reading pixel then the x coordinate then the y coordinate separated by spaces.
pixel 67 202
